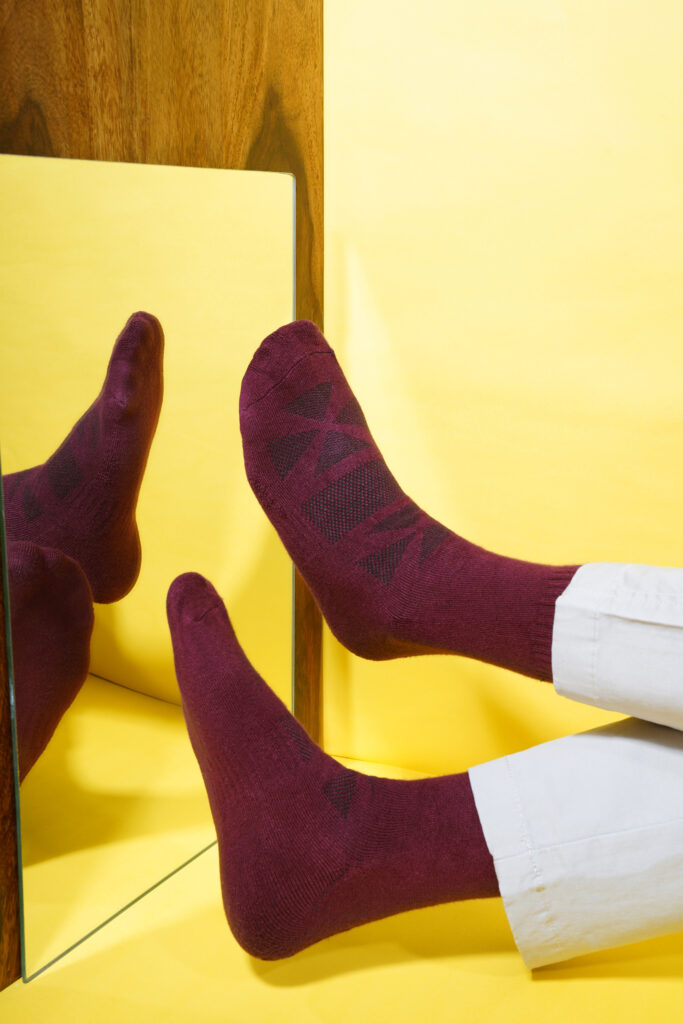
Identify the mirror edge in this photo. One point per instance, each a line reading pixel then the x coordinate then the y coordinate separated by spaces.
pixel 10 922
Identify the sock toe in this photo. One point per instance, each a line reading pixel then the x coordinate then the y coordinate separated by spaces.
pixel 26 562
pixel 275 357
pixel 70 579
pixel 135 361
pixel 140 328
pixel 190 597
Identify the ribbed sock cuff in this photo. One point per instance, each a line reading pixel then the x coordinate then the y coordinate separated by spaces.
pixel 557 581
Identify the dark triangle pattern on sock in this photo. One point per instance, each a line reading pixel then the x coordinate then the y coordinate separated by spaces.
pixel 337 446
pixel 398 520
pixel 384 563
pixel 312 403
pixel 339 791
pixel 30 505
pixel 63 472
pixel 88 431
pixel 10 484
pixel 432 537
pixel 344 504
pixel 352 414
pixel 286 451
pixel 296 734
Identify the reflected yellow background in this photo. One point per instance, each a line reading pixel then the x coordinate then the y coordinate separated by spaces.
pixel 210 253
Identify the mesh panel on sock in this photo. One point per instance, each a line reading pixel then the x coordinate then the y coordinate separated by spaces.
pixel 352 414
pixel 344 504
pixel 433 536
pixel 398 520
pixel 296 734
pixel 312 403
pixel 30 505
pixel 336 447
pixel 384 563
pixel 63 472
pixel 339 791
pixel 286 451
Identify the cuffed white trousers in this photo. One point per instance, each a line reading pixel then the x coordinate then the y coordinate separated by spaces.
pixel 586 832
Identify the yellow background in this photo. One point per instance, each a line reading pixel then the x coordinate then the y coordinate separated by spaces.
pixel 503 290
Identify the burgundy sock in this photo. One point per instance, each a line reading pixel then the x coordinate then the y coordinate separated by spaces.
pixel 51 618
pixel 82 500
pixel 389 579
pixel 307 847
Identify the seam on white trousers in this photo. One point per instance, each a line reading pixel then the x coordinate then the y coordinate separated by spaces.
pixel 597 835
pixel 541 888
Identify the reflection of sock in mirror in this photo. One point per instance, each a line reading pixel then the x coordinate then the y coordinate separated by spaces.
pixel 307 847
pixel 52 619
pixel 83 499
pixel 389 579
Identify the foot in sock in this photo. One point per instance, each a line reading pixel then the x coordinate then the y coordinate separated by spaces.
pixel 82 500
pixel 307 847
pixel 51 620
pixel 389 579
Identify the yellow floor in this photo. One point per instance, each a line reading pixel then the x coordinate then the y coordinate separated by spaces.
pixel 115 803
pixel 171 957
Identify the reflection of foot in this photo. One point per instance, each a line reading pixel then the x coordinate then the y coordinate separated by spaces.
pixel 389 579
pixel 82 500
pixel 52 618
pixel 308 848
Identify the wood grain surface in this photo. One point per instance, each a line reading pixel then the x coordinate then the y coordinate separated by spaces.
pixel 307 657
pixel 202 83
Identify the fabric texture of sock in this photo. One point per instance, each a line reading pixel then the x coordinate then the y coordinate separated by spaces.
pixel 308 848
pixel 82 500
pixel 389 579
pixel 51 616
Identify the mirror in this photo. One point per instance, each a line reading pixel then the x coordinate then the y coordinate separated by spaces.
pixel 115 803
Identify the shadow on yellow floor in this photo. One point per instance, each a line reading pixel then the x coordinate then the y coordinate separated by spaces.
pixel 171 957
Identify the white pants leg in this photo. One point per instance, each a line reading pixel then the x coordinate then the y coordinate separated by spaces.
pixel 586 832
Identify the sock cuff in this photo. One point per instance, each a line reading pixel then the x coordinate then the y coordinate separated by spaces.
pixel 557 580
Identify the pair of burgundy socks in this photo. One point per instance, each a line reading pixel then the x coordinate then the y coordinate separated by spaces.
pixel 72 535
pixel 307 847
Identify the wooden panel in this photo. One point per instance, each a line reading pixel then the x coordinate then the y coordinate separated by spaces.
pixel 307 658
pixel 204 83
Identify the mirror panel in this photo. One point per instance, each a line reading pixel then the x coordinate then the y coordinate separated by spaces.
pixel 116 802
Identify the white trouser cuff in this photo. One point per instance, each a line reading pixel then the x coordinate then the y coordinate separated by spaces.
pixel 618 640
pixel 586 833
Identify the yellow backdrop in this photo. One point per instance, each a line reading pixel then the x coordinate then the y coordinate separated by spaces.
pixel 503 282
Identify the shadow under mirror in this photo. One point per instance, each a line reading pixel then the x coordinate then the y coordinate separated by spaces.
pixel 111 798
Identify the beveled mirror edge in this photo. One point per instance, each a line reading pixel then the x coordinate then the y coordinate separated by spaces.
pixel 10 899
